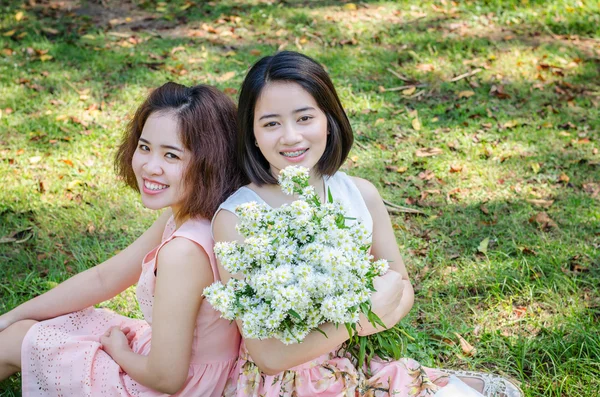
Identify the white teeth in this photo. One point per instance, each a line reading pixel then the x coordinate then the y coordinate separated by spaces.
pixel 154 186
pixel 294 154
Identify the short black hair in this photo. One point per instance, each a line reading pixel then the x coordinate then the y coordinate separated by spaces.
pixel 291 67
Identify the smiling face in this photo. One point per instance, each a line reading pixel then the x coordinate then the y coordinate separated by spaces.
pixel 289 126
pixel 159 163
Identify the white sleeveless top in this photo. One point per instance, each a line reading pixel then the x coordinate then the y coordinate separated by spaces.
pixel 343 189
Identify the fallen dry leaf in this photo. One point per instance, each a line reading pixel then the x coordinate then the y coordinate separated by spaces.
pixel 409 91
pixel 416 124
pixel 466 94
pixel 225 77
pixel 466 347
pixel 456 168
pixel 19 16
pixel 177 49
pixel 350 7
pixel 426 176
pixel 428 152
pixel 564 178
pixel 498 92
pixel 543 221
pixel 541 203
pixel 426 67
pixel 230 91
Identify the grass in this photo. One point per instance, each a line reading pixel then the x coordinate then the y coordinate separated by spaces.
pixel 516 139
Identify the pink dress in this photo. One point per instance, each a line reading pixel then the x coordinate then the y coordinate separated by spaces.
pixel 62 356
pixel 334 374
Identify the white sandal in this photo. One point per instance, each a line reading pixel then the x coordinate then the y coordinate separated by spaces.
pixel 493 385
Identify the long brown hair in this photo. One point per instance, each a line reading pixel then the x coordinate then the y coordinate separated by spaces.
pixel 206 118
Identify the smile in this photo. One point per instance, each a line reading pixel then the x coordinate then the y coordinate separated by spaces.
pixel 294 154
pixel 154 186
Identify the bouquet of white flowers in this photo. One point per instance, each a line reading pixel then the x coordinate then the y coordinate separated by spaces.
pixel 302 265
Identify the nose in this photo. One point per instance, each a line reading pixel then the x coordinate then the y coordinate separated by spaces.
pixel 153 165
pixel 291 135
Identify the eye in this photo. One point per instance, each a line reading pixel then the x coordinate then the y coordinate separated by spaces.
pixel 172 156
pixel 305 118
pixel 144 148
pixel 270 124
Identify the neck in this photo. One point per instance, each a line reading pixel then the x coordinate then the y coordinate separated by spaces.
pixel 178 220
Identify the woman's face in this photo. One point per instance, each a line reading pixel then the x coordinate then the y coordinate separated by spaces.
pixel 159 163
pixel 289 126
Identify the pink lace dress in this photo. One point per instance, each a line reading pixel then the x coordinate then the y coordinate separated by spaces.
pixel 334 374
pixel 62 356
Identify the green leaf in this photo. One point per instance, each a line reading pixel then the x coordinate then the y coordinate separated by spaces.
pixel 361 351
pixel 295 314
pixel 321 331
pixel 329 196
pixel 483 245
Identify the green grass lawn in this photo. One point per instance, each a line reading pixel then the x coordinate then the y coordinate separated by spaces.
pixel 493 135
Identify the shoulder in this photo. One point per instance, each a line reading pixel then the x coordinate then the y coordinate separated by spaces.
pixel 223 226
pixel 368 191
pixel 182 252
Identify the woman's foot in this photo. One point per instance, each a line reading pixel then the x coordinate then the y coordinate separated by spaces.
pixel 489 385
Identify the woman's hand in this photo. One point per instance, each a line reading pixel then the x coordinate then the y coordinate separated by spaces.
pixel 116 339
pixel 384 302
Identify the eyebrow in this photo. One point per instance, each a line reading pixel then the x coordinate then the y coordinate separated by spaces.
pixel 163 146
pixel 304 109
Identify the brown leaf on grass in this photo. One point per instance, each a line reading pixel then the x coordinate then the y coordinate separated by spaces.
pixel 465 346
pixel 592 189
pixel 225 77
pixel 498 92
pixel 484 209
pixel 454 168
pixel 67 162
pixel 466 94
pixel 564 178
pixel 42 186
pixel 541 203
pixel 543 221
pixel 255 52
pixel 10 33
pixel 428 152
pixel 510 124
pixel 177 49
pixel 91 228
pixel 519 311
pixel 426 175
pixel 426 67
pixel 230 91
pixel 50 31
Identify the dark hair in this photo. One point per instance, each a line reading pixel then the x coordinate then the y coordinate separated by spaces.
pixel 206 118
pixel 291 67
